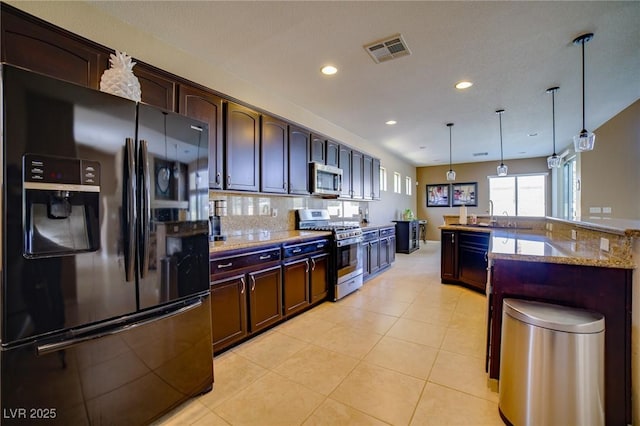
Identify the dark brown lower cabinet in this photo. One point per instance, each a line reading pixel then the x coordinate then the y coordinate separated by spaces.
pixel 464 258
pixel 228 311
pixel 246 294
pixel 265 298
pixel 306 275
pixel 319 277
pixel 604 290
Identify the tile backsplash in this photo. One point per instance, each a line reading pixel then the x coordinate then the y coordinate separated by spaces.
pixel 253 213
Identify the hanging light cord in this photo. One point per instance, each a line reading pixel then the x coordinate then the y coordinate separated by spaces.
pixel 583 123
pixel 553 113
pixel 500 117
pixel 450 125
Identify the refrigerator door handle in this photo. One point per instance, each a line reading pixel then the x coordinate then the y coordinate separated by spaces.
pixel 145 206
pixel 130 209
pixel 47 348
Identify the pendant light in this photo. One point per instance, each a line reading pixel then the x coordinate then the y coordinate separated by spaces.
pixel 585 140
pixel 553 160
pixel 451 175
pixel 502 168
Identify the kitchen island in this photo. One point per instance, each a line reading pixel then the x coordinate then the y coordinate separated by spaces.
pixel 565 263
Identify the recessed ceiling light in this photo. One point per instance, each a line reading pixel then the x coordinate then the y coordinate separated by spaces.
pixel 390 122
pixel 463 85
pixel 423 147
pixel 329 70
pixel 532 134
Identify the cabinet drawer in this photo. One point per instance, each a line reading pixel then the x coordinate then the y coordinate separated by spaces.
pixel 370 235
pixel 293 250
pixel 241 261
pixel 477 239
pixel 385 232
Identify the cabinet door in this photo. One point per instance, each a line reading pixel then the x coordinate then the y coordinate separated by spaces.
pixel 449 256
pixel 296 286
pixel 375 179
pixel 375 256
pixel 367 175
pixel 298 161
pixel 265 297
pixel 333 153
pixel 156 88
pixel 274 158
pixel 384 253
pixel 472 263
pixel 44 48
pixel 357 182
pixel 392 249
pixel 344 162
pixel 366 259
pixel 319 277
pixel 242 159
pixel 228 311
pixel 207 107
pixel 318 149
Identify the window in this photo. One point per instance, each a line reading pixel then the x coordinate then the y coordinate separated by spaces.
pixel 523 195
pixel 407 185
pixel 396 183
pixel 569 189
pixel 383 179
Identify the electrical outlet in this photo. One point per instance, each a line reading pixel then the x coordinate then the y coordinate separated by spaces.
pixel 604 244
pixel 574 234
pixel 274 212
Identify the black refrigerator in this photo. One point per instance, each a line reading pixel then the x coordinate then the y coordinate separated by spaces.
pixel 105 312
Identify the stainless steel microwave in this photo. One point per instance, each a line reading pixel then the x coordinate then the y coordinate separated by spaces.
pixel 325 180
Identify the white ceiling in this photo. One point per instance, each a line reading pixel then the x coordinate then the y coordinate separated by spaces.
pixel 511 51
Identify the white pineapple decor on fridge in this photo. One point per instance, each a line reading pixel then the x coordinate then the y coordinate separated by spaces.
pixel 119 79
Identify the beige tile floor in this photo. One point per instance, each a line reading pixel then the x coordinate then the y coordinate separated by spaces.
pixel 404 350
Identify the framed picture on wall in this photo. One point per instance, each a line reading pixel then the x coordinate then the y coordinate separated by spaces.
pixel 464 194
pixel 438 195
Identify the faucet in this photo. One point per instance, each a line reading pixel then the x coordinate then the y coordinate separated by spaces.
pixel 506 213
pixel 492 221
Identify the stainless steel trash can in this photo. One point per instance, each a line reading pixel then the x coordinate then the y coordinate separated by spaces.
pixel 551 365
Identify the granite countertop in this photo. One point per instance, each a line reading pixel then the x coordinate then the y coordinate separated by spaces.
pixel 541 246
pixel 369 226
pixel 263 238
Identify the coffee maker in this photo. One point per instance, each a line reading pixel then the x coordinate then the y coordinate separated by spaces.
pixel 217 209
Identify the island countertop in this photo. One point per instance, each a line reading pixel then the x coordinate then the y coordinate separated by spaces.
pixel 534 245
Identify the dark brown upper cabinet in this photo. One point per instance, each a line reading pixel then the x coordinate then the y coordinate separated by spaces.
pixel 207 107
pixel 298 160
pixel 375 179
pixel 318 149
pixel 332 153
pixel 367 182
pixel 157 88
pixel 274 156
pixel 30 43
pixel 242 143
pixel 344 162
pixel 357 180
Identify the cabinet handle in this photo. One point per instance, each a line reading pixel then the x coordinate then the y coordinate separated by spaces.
pixel 453 237
pixel 297 250
pixel 285 186
pixel 486 258
pixel 228 180
pixel 319 246
pixel 306 262
pixel 218 177
pixel 243 285
pixel 265 256
pixel 313 264
pixel 253 283
pixel 226 265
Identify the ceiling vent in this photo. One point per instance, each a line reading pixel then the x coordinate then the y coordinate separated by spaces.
pixel 388 48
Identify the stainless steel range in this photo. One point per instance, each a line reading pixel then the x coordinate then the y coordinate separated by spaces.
pixel 346 267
